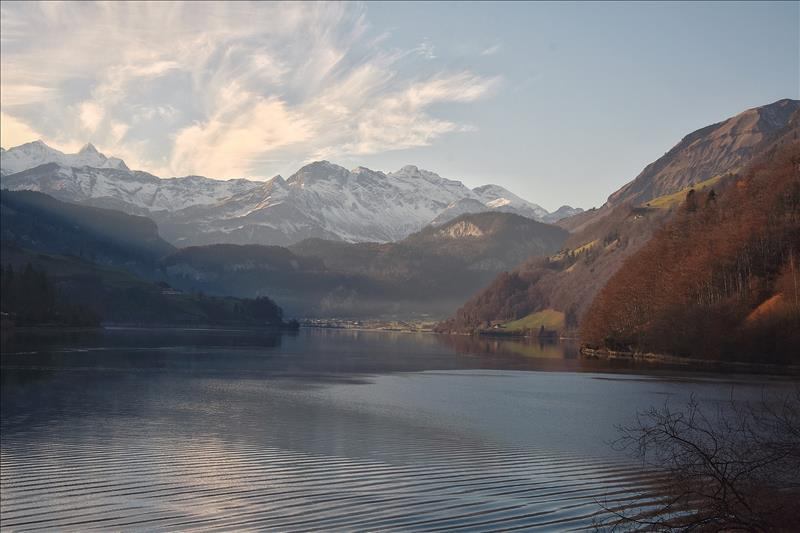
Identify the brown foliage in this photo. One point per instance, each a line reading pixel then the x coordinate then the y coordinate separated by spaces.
pixel 567 282
pixel 690 290
pixel 601 240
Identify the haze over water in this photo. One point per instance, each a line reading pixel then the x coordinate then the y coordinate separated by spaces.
pixel 169 429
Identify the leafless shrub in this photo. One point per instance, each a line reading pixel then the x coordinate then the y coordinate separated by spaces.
pixel 733 468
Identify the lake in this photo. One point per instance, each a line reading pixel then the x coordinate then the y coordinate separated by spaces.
pixel 323 430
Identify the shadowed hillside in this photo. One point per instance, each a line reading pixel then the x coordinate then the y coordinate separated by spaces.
pixel 103 236
pixel 74 291
pixel 476 242
pixel 428 273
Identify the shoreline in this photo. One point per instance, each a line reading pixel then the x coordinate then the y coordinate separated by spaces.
pixel 690 362
pixel 585 352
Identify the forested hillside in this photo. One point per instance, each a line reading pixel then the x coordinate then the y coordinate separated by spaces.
pixel 47 289
pixel 567 281
pixel 721 279
pixel 429 273
pixel 602 240
pixel 103 236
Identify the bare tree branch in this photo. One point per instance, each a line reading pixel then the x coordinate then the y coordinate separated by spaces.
pixel 735 470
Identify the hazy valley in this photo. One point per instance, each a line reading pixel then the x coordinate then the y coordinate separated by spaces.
pixel 435 243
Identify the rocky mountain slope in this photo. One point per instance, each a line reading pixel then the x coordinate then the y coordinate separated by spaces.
pixel 602 239
pixel 714 150
pixel 720 280
pixel 321 200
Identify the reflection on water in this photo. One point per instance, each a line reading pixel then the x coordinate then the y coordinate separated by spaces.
pixel 171 429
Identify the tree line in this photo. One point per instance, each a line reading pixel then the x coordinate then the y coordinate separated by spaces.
pixel 32 297
pixel 29 297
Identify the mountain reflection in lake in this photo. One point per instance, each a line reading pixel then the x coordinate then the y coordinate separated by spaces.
pixel 174 429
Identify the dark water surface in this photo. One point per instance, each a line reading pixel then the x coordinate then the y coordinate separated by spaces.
pixel 323 430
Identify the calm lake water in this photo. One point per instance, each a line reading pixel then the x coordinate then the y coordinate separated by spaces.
pixel 323 430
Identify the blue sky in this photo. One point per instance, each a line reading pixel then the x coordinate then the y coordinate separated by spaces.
pixel 559 102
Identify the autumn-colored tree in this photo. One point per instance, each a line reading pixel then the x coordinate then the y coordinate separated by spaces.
pixel 718 280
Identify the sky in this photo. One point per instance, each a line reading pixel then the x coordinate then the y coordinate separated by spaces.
pixel 562 103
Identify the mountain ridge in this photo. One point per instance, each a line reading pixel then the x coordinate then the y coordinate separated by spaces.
pixel 320 200
pixel 426 274
pixel 602 239
pixel 35 153
pixel 715 149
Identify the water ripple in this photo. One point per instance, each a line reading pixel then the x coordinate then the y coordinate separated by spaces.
pixel 168 485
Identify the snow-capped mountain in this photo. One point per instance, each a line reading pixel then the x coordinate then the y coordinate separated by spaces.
pixel 562 212
pixel 33 154
pixel 90 177
pixel 460 207
pixel 497 198
pixel 501 199
pixel 321 199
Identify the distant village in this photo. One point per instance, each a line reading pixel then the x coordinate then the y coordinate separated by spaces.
pixel 371 324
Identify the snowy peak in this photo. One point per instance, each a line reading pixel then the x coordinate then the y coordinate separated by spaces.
pixel 27 156
pixel 320 200
pixel 500 198
pixel 413 172
pixel 562 212
pixel 89 156
pixel 458 208
pixel 319 171
pixel 33 154
pixel 89 149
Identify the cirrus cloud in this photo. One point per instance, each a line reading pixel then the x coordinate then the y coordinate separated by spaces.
pixel 224 89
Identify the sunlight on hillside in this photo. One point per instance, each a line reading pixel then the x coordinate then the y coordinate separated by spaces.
pixel 579 250
pixel 671 200
pixel 549 318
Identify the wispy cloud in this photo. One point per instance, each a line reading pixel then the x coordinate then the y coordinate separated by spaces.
pixel 244 125
pixel 426 50
pixel 224 89
pixel 492 50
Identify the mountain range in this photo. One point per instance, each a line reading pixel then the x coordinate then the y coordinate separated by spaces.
pixel 71 265
pixel 429 273
pixel 321 200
